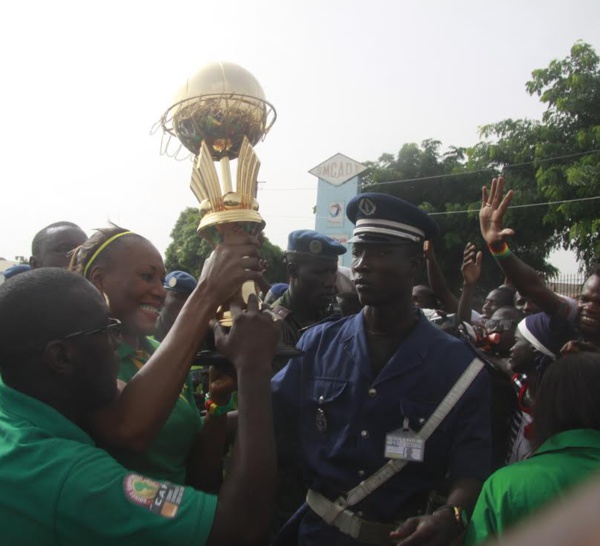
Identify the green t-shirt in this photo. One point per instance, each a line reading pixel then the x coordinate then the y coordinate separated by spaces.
pixel 58 488
pixel 514 492
pixel 166 459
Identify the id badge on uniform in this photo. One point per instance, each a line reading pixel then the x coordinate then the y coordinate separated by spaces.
pixel 404 443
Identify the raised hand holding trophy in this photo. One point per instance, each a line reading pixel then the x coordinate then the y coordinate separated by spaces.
pixel 219 115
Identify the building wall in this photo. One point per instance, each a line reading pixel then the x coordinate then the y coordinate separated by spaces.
pixel 331 212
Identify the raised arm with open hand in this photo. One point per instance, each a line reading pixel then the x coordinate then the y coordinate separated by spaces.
pixel 524 278
pixel 471 266
pixel 491 214
pixel 471 271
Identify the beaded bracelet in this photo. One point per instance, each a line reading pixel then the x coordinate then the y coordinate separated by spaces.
pixel 215 410
pixel 500 252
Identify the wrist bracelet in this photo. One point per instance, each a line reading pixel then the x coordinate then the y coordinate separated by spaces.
pixel 214 410
pixel 460 516
pixel 500 252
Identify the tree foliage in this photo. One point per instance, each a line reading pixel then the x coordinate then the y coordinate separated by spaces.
pixel 553 159
pixel 187 251
pixel 570 88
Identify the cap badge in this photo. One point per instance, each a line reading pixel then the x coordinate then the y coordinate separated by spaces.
pixel 367 207
pixel 172 282
pixel 315 247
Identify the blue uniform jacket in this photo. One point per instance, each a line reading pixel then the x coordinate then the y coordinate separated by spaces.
pixel 335 374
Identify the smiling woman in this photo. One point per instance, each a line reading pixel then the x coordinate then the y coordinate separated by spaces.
pixel 153 425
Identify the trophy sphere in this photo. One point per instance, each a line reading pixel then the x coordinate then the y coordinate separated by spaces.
pixel 232 200
pixel 205 207
pixel 220 104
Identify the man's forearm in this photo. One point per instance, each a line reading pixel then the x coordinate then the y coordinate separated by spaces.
pixel 438 284
pixel 465 306
pixel 251 481
pixel 528 282
pixel 464 493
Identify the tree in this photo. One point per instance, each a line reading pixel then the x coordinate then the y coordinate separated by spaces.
pixel 188 250
pixel 442 185
pixel 571 90
pixel 554 159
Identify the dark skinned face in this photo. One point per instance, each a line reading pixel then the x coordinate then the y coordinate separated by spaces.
pixel 506 332
pixel 94 362
pixel 525 305
pixel 132 280
pixel 522 354
pixel 314 281
pixel 589 310
pixel 383 273
pixel 56 249
pixel 422 296
pixel 494 300
pixel 171 309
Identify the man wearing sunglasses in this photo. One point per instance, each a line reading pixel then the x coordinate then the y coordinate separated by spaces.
pixel 58 363
pixel 501 334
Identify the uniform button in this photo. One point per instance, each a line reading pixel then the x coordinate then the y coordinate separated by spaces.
pixel 372 392
pixel 364 433
pixel 361 473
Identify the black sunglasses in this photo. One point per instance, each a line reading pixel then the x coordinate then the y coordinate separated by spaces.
pixel 113 329
pixel 500 325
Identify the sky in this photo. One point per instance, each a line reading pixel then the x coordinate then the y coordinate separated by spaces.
pixel 84 82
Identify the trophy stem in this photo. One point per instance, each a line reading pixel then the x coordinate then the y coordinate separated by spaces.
pixel 226 175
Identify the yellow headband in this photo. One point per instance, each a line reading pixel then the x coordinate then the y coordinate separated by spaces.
pixel 102 247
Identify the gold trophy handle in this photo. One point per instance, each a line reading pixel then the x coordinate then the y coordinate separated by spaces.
pixel 233 233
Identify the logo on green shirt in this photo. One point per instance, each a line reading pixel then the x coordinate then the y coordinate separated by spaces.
pixel 162 498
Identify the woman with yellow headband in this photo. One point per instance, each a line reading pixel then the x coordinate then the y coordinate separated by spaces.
pixel 153 426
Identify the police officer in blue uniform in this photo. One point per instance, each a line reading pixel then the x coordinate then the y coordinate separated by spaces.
pixel 312 263
pixel 311 267
pixel 179 285
pixel 382 372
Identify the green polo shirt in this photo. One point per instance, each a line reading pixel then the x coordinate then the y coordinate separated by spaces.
pixel 58 488
pixel 514 492
pixel 167 457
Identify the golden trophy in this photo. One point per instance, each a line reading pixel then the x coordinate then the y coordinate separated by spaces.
pixel 219 115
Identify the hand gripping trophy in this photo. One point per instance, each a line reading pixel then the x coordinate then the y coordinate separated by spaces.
pixel 219 115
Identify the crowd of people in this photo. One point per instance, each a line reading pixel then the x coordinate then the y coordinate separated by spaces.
pixel 404 415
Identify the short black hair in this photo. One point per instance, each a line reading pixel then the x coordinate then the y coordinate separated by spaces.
pixel 38 306
pixel 42 235
pixel 511 310
pixel 568 396
pixel 507 295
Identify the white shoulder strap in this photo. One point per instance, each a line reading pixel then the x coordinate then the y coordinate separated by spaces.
pixel 393 466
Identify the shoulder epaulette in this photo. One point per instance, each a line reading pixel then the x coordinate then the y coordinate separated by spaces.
pixel 281 311
pixel 331 318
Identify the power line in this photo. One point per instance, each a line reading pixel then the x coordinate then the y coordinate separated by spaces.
pixel 454 175
pixel 284 189
pixel 467 211
pixel 519 206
